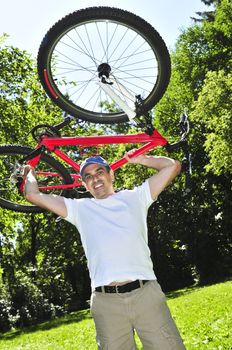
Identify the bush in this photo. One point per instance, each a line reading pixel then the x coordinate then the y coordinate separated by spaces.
pixel 23 303
pixel 7 319
pixel 30 303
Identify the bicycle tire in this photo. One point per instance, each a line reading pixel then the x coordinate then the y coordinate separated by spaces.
pixel 141 49
pixel 10 198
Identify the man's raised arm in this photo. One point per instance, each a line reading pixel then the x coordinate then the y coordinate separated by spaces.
pixel 47 201
pixel 167 169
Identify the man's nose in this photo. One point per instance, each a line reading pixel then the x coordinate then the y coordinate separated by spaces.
pixel 95 177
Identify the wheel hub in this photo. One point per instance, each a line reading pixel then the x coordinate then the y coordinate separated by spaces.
pixel 104 69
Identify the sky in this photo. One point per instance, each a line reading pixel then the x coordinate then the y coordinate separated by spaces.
pixel 27 21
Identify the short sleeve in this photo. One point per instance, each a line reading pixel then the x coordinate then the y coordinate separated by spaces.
pixel 144 194
pixel 71 206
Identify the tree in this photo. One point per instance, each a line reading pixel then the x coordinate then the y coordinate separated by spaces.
pixel 213 115
pixel 201 82
pixel 36 262
pixel 25 239
pixel 205 47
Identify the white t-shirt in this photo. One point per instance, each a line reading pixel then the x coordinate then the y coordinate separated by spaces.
pixel 114 235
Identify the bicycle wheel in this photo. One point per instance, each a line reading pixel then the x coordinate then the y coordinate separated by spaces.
pixel 10 198
pixel 103 41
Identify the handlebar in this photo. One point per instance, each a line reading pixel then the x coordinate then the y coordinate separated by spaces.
pixel 183 145
pixel 66 120
pixel 50 130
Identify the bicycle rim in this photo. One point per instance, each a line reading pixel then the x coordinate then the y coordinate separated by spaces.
pixel 132 52
pixel 10 197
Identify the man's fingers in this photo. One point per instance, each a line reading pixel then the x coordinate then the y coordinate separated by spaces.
pixel 25 170
pixel 129 154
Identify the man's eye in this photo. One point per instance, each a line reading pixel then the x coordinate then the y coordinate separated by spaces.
pixel 88 177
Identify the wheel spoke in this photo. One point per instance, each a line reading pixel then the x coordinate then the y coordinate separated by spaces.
pixel 121 42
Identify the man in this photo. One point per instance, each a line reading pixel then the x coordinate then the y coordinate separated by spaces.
pixel 125 293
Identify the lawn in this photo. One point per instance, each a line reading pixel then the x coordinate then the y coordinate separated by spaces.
pixel 203 315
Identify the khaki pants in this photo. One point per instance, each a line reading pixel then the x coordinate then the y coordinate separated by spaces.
pixel 145 310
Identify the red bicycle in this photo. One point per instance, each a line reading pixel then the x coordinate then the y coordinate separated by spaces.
pixel 103 65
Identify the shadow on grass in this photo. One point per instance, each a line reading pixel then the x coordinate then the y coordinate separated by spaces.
pixel 65 320
pixel 181 292
pixel 193 288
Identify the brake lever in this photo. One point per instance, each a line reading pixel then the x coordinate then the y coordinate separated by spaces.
pixel 184 124
pixel 186 165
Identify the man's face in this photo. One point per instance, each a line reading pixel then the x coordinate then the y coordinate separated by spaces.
pixel 98 181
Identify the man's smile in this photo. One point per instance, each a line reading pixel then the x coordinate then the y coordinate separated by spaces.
pixel 98 186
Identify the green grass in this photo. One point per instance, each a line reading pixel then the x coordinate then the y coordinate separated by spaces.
pixel 203 316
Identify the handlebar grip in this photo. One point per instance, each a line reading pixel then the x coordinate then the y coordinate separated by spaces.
pixel 170 147
pixel 61 125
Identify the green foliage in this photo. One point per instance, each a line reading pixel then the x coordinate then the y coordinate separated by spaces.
pixel 204 47
pixel 201 83
pixel 22 99
pixel 35 285
pixel 7 320
pixel 22 303
pixel 223 21
pixel 30 304
pixel 213 115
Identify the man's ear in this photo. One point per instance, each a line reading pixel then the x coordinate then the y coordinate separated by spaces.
pixel 84 184
pixel 112 175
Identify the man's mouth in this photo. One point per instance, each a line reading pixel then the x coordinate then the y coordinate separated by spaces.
pixel 98 186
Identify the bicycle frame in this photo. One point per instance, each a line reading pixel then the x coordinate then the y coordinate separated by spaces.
pixel 53 143
pixel 150 139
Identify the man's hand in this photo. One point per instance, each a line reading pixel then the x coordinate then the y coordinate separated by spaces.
pixel 167 170
pixel 135 159
pixel 25 171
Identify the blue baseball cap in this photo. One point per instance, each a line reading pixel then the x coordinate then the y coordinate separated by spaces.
pixel 93 160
